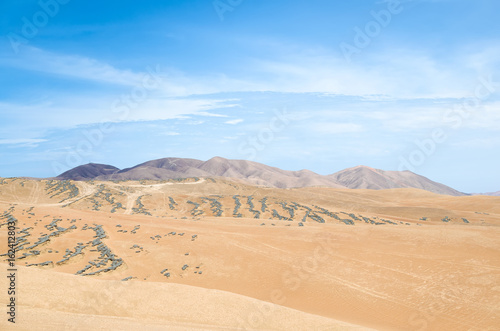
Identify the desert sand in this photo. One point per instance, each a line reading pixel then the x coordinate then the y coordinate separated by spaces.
pixel 214 254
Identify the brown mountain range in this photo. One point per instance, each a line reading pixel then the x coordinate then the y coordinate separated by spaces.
pixel 360 177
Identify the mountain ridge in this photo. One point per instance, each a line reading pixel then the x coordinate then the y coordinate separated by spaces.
pixel 359 177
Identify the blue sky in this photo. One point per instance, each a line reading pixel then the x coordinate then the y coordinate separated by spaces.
pixel 322 85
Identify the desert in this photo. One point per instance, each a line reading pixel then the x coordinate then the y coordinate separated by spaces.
pixel 214 253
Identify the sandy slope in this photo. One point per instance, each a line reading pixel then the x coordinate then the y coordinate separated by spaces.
pixel 56 301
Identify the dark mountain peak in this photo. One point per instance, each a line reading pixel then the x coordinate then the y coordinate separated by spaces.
pixel 88 171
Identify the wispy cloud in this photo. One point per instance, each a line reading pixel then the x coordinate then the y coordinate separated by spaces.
pixel 233 122
pixel 398 73
pixel 332 128
pixel 170 133
pixel 68 112
pixel 72 66
pixel 24 142
pixel 20 141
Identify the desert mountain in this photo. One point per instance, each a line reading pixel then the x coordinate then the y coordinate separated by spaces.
pixel 167 168
pixel 251 172
pixel 260 174
pixel 360 177
pixel 88 171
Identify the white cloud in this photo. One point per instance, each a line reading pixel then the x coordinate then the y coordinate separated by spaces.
pixel 195 122
pixel 20 141
pixel 170 133
pixel 381 77
pixel 74 66
pixel 70 112
pixel 236 121
pixel 397 73
pixel 169 81
pixel 477 143
pixel 335 127
pixel 208 114
pixel 485 116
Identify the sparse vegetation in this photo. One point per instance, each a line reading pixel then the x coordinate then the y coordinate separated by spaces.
pixel 140 207
pixel 118 205
pixel 215 205
pixel 290 210
pixel 70 254
pixel 256 213
pixel 316 217
pixel 278 216
pixel 172 203
pixel 195 211
pixel 237 205
pixel 58 187
pixel 263 204
pixel 107 261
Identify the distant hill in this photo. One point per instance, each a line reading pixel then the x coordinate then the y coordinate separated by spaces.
pixel 495 194
pixel 167 168
pixel 360 177
pixel 88 171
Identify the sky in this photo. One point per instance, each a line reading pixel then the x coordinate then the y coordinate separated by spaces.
pixel 320 85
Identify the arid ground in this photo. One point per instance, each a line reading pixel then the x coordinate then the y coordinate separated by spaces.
pixel 216 254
